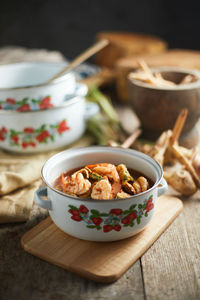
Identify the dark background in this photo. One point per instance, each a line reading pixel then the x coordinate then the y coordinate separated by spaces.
pixel 70 25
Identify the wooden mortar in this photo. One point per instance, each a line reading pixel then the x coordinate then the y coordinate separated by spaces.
pixel 158 107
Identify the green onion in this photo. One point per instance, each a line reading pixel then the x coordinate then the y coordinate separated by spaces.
pixel 104 126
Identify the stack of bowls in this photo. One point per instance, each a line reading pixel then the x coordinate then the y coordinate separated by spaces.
pixel 36 116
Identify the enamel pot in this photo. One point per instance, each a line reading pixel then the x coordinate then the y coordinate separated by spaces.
pixel 48 129
pixel 100 220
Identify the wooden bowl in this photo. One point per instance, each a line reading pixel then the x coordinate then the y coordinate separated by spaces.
pixel 158 107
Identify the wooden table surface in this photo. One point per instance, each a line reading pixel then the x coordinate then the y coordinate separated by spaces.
pixel 170 269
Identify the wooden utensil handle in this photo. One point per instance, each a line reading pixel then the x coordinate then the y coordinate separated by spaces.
pixel 81 58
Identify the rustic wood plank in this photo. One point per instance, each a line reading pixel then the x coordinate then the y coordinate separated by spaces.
pixel 129 286
pixel 171 267
pixel 192 224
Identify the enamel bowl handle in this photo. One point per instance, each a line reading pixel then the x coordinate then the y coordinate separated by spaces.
pixel 42 192
pixel 91 109
pixel 163 188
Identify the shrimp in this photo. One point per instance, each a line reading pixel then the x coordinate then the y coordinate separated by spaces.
pixel 102 190
pixel 106 169
pixel 139 186
pixel 76 184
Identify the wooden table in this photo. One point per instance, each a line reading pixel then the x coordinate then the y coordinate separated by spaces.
pixel 170 269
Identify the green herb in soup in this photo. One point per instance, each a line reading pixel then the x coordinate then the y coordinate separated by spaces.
pixel 103 181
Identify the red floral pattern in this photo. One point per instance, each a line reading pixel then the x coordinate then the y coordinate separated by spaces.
pixel 116 211
pixel 83 209
pixel 29 130
pixel 42 136
pixel 46 103
pixel 97 221
pixel 25 107
pixel 107 228
pixel 62 127
pixel 10 101
pixel 25 144
pixel 26 104
pixel 129 218
pixel 15 139
pixel 115 219
pixel 30 137
pixel 149 205
pixel 3 133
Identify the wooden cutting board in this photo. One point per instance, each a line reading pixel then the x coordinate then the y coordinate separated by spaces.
pixel 98 261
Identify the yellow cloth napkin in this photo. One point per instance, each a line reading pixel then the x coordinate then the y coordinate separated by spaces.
pixel 16 206
pixel 19 178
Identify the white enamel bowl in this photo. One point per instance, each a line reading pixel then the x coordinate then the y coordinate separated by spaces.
pixel 48 129
pixel 100 220
pixel 23 86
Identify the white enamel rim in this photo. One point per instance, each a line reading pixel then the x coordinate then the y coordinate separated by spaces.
pixel 54 82
pixel 189 86
pixel 106 149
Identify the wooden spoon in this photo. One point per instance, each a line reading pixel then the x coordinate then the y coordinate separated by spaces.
pixel 81 58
